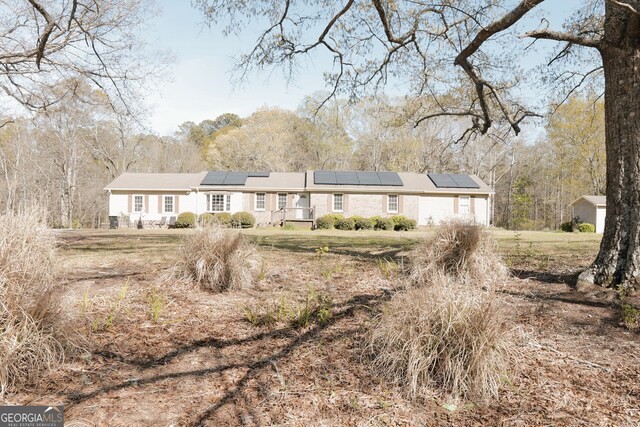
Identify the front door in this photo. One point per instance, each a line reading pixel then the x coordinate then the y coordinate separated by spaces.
pixel 302 206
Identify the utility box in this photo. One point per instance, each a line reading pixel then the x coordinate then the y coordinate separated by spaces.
pixel 113 222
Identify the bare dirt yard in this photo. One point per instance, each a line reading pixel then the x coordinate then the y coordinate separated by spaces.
pixel 161 352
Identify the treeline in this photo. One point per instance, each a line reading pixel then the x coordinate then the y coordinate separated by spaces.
pixel 62 158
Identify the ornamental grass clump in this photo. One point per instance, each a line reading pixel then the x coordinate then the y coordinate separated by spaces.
pixel 463 251
pixel 220 259
pixel 35 333
pixel 443 339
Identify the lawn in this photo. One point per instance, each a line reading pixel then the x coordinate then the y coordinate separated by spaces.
pixel 162 352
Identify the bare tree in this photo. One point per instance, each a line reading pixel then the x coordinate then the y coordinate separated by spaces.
pixel 43 42
pixel 435 44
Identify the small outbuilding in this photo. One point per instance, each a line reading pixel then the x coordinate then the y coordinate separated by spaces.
pixel 591 209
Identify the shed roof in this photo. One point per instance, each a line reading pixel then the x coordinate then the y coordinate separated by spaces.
pixel 594 200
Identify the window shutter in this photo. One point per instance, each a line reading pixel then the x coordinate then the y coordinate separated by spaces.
pixel 176 200
pixel 160 200
pixel 252 202
pixel 130 203
pixel 146 203
pixel 330 202
pixel 472 205
pixel 455 205
pixel 385 203
pixel 345 203
pixel 400 203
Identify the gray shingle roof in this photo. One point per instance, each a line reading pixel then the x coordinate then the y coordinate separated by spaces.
pixel 283 181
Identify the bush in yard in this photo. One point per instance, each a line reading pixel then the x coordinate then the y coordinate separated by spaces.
pixel 243 220
pixel 223 218
pixel 405 224
pixel 220 259
pixel 383 223
pixel 445 338
pixel 460 250
pixel 567 226
pixel 325 222
pixel 361 223
pixel 35 334
pixel 345 224
pixel 186 220
pixel 206 219
pixel 585 227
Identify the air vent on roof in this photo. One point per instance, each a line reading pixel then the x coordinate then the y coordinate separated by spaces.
pixel 452 180
pixel 357 178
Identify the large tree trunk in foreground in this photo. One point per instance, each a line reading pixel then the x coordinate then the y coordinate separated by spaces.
pixel 618 262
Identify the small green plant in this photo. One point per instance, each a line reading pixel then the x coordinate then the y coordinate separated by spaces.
pixel 157 304
pixel 115 309
pixel 315 308
pixel 630 317
pixel 363 223
pixel 322 251
pixel 380 223
pixel 263 271
pixel 388 267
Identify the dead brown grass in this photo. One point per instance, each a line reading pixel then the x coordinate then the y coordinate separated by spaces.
pixel 33 330
pixel 444 338
pixel 220 259
pixel 463 251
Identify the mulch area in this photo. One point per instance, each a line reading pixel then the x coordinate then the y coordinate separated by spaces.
pixel 202 363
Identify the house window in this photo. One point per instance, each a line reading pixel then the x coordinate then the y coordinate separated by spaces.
pixel 260 201
pixel 219 202
pixel 282 200
pixel 138 203
pixel 464 205
pixel 392 203
pixel 338 202
pixel 168 204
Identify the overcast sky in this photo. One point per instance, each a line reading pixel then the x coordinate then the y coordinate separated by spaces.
pixel 199 85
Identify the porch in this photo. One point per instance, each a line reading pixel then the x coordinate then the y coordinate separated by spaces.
pixel 298 215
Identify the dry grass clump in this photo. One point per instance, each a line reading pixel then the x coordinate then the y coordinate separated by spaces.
pixel 442 337
pixel 33 331
pixel 461 250
pixel 220 259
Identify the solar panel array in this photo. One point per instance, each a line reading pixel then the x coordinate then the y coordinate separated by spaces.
pixel 357 178
pixel 230 178
pixel 452 180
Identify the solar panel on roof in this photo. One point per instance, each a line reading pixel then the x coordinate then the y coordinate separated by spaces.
pixel 214 178
pixel 324 177
pixel 236 178
pixel 390 178
pixel 368 178
pixel 258 174
pixel 452 181
pixel 225 178
pixel 347 178
pixel 464 181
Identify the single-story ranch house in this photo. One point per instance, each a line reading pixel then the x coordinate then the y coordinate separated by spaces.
pixel 274 197
pixel 591 209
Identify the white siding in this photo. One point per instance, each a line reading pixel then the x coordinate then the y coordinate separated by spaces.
pixel 118 204
pixel 434 209
pixel 602 212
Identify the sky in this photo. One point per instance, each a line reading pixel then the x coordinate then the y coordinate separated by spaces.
pixel 199 84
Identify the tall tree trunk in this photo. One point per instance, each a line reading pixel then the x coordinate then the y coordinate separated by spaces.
pixel 618 262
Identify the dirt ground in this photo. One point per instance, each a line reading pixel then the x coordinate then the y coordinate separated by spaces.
pixel 162 352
